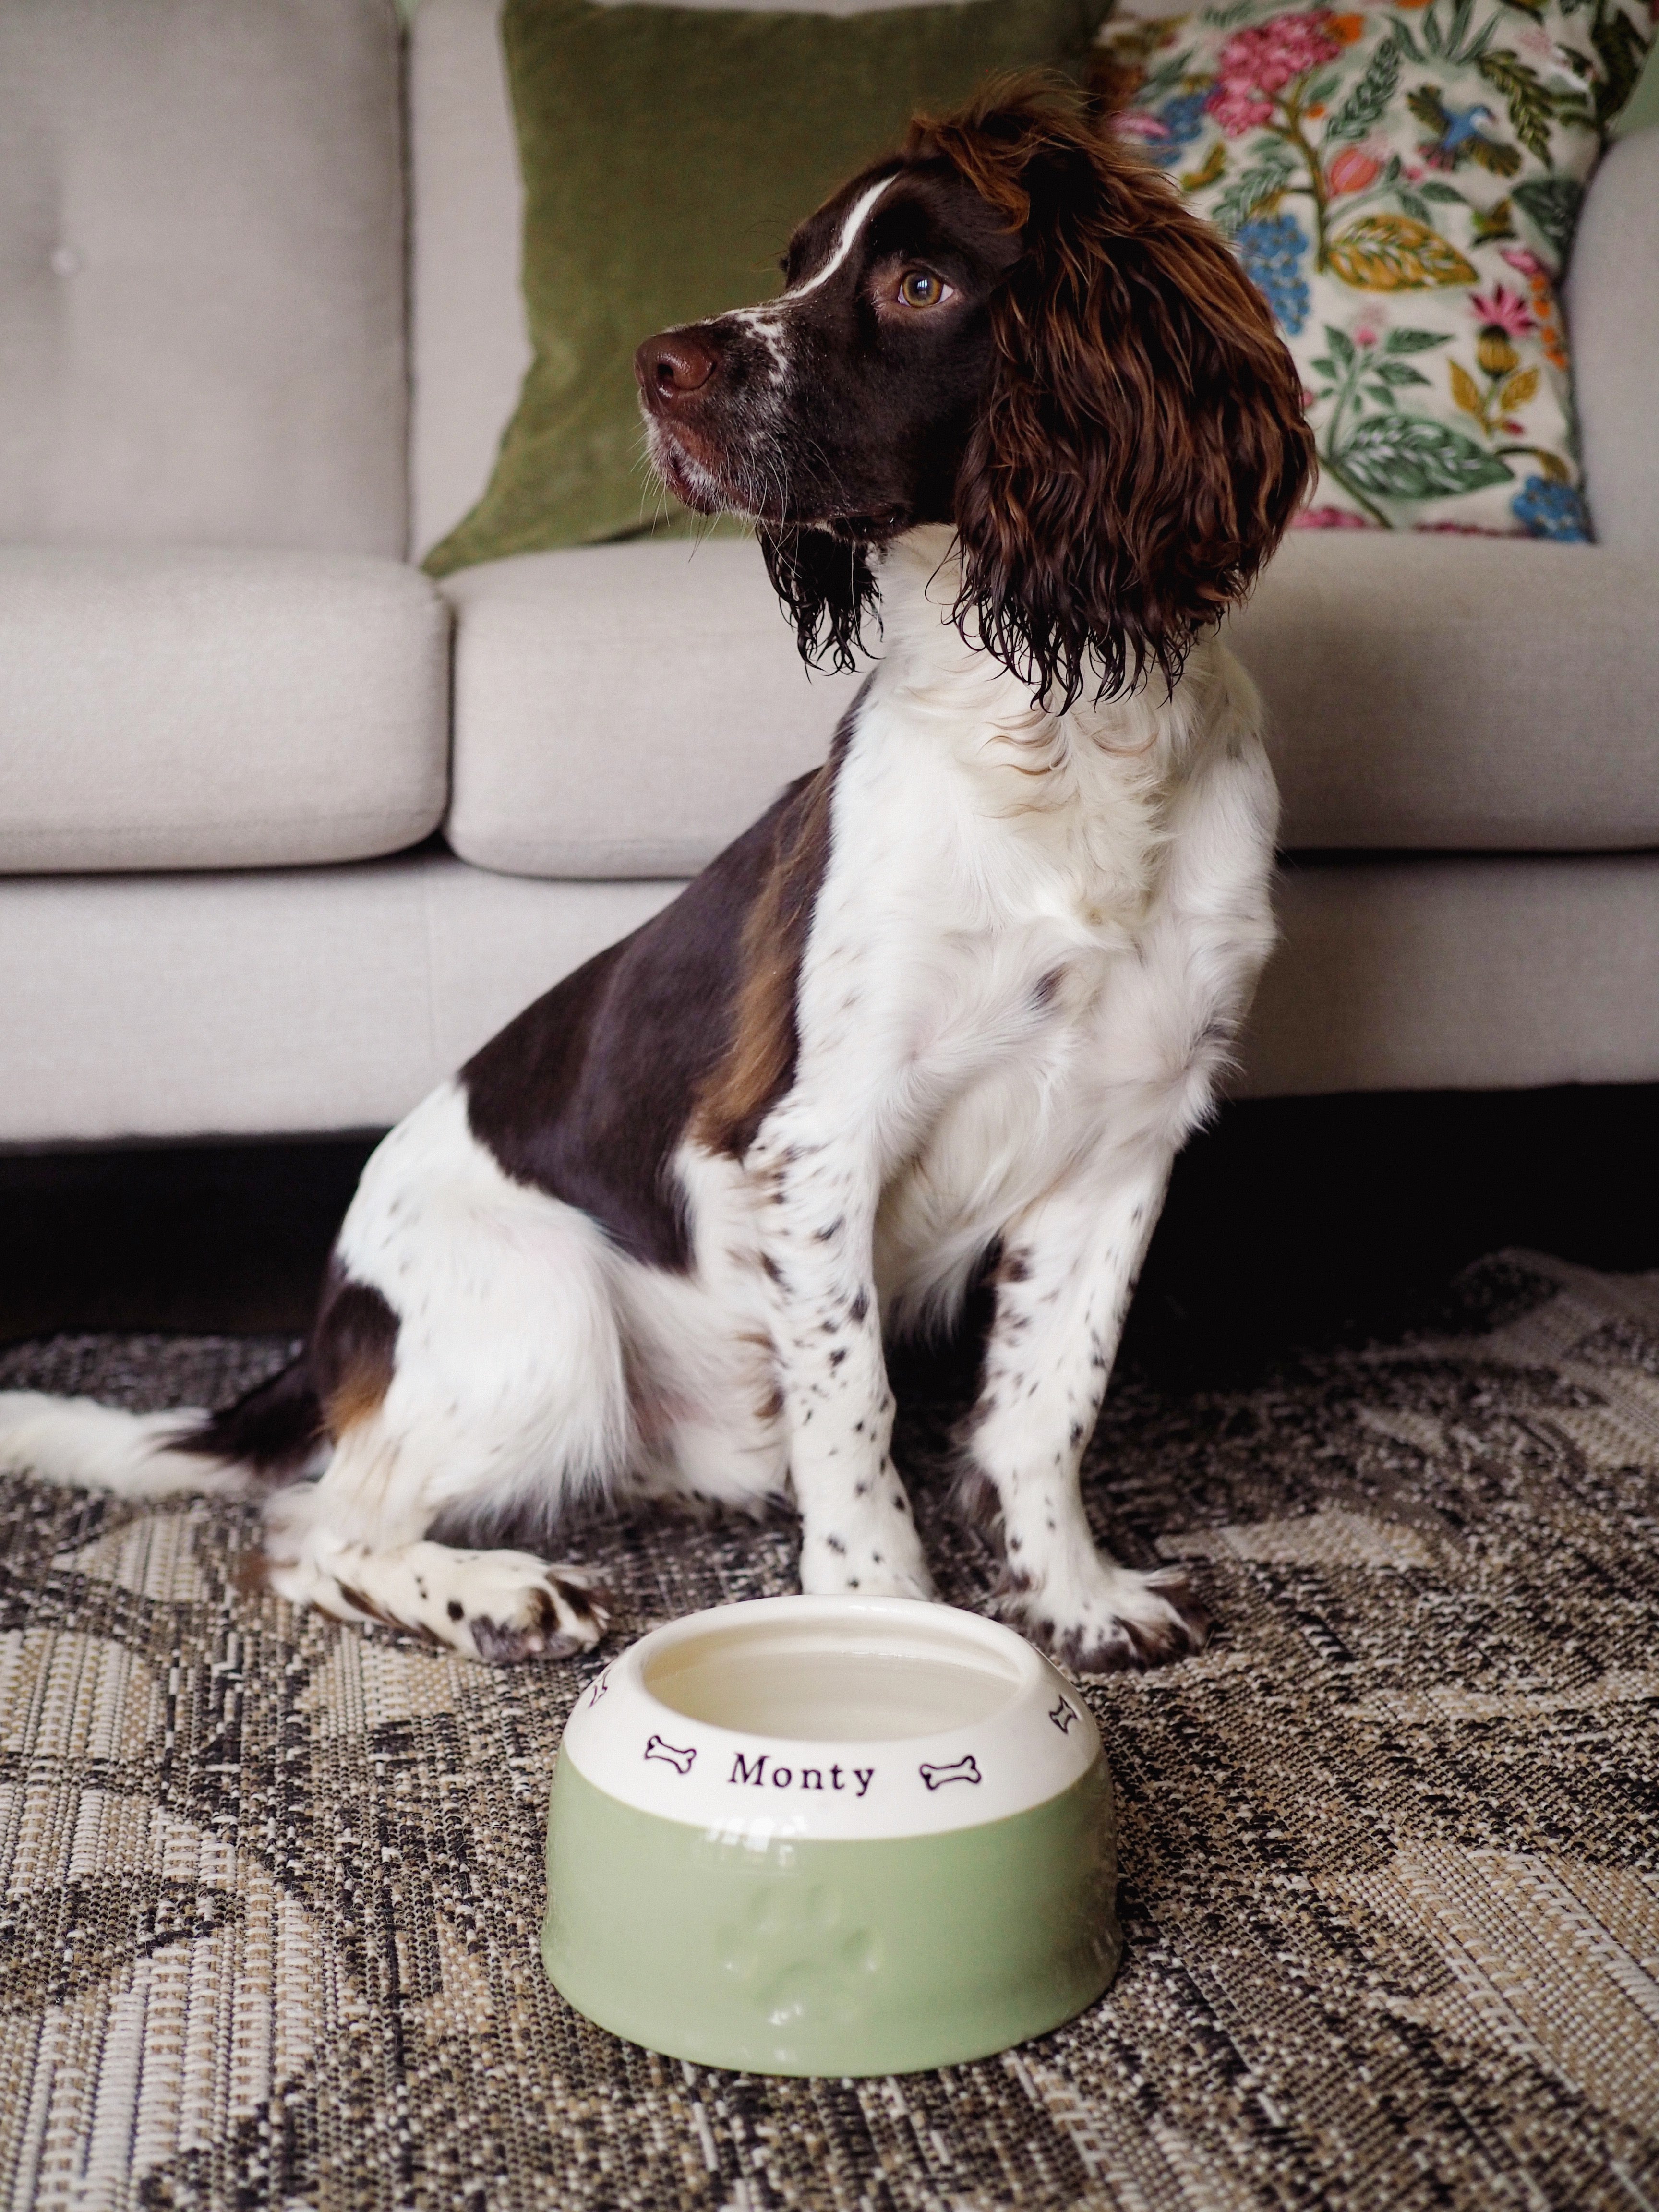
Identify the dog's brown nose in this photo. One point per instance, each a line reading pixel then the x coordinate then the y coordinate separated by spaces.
pixel 672 366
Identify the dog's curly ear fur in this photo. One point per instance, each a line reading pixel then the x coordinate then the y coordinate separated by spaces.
pixel 1144 447
pixel 826 588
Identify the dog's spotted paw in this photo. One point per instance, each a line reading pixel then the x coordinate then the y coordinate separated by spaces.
pixel 494 1605
pixel 1130 1623
pixel 507 1606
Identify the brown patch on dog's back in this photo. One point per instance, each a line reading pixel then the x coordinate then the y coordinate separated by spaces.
pixel 687 1027
pixel 759 1063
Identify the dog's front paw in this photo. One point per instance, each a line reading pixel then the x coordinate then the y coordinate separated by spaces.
pixel 1127 1622
pixel 513 1605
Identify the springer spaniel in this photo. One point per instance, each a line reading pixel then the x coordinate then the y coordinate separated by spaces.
pixel 961 994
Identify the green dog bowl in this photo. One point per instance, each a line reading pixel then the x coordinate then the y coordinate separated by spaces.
pixel 830 1836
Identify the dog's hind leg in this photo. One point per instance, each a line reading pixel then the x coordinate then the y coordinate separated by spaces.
pixel 470 1364
pixel 484 1418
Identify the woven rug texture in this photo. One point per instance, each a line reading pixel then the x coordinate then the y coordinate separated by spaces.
pixel 270 1889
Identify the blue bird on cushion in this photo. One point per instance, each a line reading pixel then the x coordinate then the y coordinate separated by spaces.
pixel 1458 137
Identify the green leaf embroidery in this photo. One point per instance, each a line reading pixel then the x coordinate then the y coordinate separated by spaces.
pixel 1445 43
pixel 1531 106
pixel 1414 341
pixel 1413 204
pixel 1621 50
pixel 1166 76
pixel 1251 190
pixel 1551 205
pixel 1340 343
pixel 1433 189
pixel 1399 372
pixel 1365 104
pixel 1397 254
pixel 1402 457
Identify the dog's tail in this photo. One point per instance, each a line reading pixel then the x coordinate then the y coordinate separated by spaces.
pixel 276 1432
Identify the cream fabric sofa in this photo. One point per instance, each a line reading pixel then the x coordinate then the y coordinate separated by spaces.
pixel 287 831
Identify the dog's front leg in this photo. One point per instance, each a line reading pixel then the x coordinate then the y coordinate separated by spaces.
pixel 1068 1271
pixel 817 1192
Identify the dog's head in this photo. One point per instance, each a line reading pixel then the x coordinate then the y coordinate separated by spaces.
pixel 1016 328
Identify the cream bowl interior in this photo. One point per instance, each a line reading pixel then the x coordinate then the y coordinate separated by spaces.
pixel 859 1680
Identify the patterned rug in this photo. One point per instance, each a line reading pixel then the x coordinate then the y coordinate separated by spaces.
pixel 270 1889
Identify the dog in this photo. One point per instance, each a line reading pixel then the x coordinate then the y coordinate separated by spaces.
pixel 950 1006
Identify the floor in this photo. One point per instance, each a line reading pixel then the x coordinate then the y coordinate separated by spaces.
pixel 1388 1849
pixel 270 1888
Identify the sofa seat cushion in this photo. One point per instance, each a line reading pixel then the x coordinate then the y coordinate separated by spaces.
pixel 625 710
pixel 1446 693
pixel 185 708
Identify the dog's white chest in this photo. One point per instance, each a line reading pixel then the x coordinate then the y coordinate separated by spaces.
pixel 958 987
pixel 988 870
pixel 1032 940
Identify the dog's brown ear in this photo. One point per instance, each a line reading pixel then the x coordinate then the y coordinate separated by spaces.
pixel 1144 447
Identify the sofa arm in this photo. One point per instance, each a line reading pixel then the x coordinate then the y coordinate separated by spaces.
pixel 1612 316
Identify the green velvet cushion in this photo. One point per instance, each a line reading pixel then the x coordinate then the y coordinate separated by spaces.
pixel 667 154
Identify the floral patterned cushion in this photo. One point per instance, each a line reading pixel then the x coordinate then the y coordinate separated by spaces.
pixel 1401 182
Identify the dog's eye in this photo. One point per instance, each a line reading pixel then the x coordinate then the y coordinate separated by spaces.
pixel 919 288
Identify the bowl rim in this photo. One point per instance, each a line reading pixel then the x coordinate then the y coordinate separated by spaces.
pixel 633 1745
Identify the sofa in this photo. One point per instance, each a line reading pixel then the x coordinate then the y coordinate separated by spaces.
pixel 287 831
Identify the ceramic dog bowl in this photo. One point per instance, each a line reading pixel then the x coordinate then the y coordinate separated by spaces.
pixel 830 1836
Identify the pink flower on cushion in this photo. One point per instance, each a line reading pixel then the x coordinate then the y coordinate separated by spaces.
pixel 1270 54
pixel 1504 311
pixel 1256 63
pixel 1135 123
pixel 1238 109
pixel 1284 47
pixel 1330 518
pixel 1523 258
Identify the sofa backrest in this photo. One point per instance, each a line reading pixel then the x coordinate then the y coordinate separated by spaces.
pixel 1612 321
pixel 202 297
pixel 468 346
